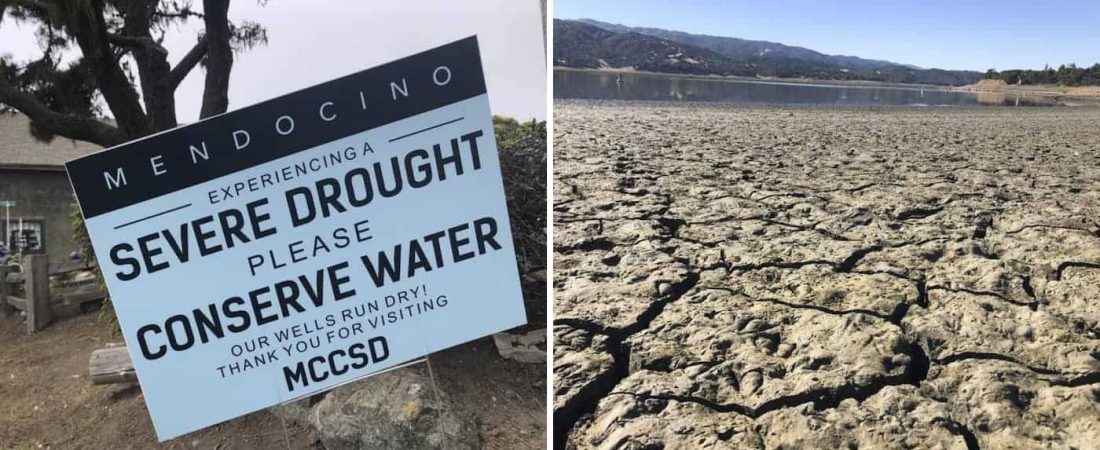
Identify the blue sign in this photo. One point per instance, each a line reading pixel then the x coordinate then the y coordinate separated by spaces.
pixel 280 250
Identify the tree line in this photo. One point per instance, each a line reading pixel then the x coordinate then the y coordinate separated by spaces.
pixel 1065 75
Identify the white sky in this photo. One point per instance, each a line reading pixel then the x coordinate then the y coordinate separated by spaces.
pixel 317 40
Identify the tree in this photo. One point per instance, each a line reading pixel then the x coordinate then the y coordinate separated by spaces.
pixel 60 91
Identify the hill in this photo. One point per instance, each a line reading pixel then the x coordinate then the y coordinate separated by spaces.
pixel 578 40
pixel 581 45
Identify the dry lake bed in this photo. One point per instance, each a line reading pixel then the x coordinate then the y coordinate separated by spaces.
pixel 767 277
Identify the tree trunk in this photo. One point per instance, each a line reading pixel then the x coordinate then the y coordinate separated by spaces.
pixel 157 89
pixel 90 30
pixel 219 58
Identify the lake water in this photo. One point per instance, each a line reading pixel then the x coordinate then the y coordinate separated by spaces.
pixel 573 84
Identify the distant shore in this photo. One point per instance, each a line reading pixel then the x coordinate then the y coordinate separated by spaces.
pixel 1050 90
pixel 752 79
pixel 1039 90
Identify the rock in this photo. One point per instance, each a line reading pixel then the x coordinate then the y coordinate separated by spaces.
pixel 526 348
pixel 297 411
pixel 394 410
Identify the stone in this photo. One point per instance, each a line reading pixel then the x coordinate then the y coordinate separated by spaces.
pixel 398 409
pixel 528 348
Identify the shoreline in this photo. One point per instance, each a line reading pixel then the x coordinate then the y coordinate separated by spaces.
pixel 732 105
pixel 770 80
pixel 1071 92
pixel 1044 90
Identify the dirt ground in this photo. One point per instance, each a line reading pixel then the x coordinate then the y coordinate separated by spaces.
pixel 743 277
pixel 47 401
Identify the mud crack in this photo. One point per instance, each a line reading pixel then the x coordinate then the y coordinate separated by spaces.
pixel 566 418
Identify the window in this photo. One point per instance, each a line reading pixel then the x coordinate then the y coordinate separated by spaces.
pixel 25 236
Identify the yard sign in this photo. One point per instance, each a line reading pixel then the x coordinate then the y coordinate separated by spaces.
pixel 280 250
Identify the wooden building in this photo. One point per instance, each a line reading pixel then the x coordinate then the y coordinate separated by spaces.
pixel 36 200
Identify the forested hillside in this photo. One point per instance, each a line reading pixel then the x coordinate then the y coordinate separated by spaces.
pixel 585 46
pixel 593 44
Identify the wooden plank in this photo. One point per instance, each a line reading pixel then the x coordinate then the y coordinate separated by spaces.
pixel 79 295
pixel 67 266
pixel 5 308
pixel 17 302
pixel 37 286
pixel 111 365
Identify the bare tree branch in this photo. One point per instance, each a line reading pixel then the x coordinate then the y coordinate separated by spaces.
pixel 136 42
pixel 189 61
pixel 219 58
pixel 185 14
pixel 67 125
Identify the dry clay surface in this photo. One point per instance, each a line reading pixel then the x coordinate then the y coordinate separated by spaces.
pixel 778 278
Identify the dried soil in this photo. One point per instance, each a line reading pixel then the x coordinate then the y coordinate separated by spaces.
pixel 759 277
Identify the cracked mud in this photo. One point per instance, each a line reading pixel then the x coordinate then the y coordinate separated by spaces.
pixel 826 278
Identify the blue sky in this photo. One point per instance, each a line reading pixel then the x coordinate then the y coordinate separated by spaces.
pixel 958 34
